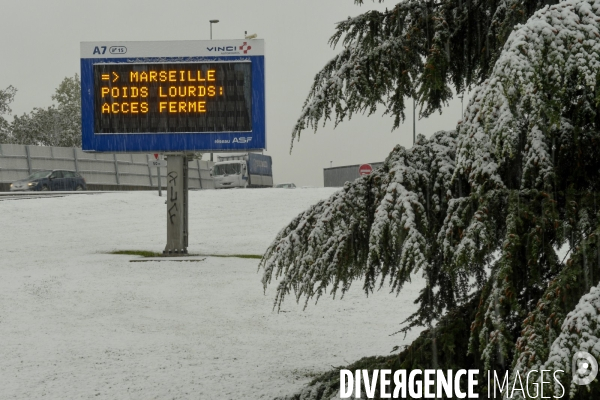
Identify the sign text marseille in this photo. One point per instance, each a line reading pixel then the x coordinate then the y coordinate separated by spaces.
pixel 173 96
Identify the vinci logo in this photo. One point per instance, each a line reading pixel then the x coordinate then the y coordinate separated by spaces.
pixel 243 48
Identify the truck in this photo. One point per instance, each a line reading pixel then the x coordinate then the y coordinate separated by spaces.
pixel 249 170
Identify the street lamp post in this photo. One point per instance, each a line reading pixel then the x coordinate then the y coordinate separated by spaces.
pixel 212 21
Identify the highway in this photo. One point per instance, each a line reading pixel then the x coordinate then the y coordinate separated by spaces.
pixel 39 195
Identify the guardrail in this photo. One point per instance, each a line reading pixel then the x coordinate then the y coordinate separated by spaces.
pixel 102 171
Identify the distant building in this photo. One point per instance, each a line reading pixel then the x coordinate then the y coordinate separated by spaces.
pixel 337 176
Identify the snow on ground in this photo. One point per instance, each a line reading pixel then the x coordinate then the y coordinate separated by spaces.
pixel 79 323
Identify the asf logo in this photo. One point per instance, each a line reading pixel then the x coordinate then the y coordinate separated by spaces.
pixel 245 47
pixel 242 140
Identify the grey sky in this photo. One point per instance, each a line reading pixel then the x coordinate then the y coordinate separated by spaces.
pixel 40 46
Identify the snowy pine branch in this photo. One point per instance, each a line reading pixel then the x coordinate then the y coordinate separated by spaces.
pixel 580 332
pixel 419 49
pixel 376 228
pixel 525 111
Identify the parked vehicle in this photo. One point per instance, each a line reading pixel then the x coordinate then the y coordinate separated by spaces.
pixel 285 186
pixel 51 180
pixel 247 170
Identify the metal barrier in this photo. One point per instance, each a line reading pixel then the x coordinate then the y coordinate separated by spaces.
pixel 101 170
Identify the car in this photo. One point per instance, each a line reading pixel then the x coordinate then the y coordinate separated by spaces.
pixel 286 186
pixel 57 179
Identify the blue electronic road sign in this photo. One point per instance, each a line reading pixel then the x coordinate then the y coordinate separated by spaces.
pixel 173 96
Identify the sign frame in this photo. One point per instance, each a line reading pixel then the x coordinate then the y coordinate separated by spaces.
pixel 169 52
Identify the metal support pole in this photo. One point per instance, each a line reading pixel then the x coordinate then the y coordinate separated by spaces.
pixel 186 192
pixel 177 205
pixel 199 173
pixel 159 184
pixel 28 159
pixel 75 158
pixel 157 176
pixel 117 169
pixel 149 170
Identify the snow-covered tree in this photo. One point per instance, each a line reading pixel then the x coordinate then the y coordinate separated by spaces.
pixel 6 97
pixel 484 211
pixel 68 97
pixel 57 125
pixel 39 127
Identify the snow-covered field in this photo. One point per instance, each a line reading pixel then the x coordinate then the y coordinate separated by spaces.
pixel 79 323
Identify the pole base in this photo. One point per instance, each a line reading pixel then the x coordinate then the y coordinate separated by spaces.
pixel 175 252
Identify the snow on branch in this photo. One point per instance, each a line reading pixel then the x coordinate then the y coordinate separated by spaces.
pixel 580 332
pixel 541 85
pixel 418 49
pixel 374 228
